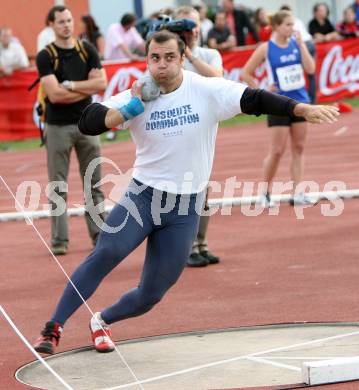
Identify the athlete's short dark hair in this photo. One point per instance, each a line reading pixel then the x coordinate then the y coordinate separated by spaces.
pixel 163 36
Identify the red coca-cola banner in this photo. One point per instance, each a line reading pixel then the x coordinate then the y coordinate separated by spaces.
pixel 337 71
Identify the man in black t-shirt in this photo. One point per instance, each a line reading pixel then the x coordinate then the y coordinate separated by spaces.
pixel 320 26
pixel 220 37
pixel 70 73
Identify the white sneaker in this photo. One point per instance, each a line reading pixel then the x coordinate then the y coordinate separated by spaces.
pixel 301 199
pixel 266 201
pixel 101 334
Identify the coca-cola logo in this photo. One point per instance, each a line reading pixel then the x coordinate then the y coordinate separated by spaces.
pixel 260 74
pixel 121 81
pixel 338 73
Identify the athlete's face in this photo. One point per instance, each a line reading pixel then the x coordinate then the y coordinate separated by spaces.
pixel 164 62
pixel 286 29
pixel 63 24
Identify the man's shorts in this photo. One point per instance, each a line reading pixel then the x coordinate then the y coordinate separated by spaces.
pixel 274 120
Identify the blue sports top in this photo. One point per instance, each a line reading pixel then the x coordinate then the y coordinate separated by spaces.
pixel 285 70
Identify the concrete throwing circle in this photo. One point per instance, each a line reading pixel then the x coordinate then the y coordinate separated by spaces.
pixel 229 358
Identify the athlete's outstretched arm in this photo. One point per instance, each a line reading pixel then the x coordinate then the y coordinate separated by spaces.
pixel 259 101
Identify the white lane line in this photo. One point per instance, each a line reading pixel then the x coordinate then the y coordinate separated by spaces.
pixel 309 357
pixel 275 364
pixel 24 340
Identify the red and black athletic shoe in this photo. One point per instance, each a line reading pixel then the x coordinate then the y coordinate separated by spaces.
pixel 49 338
pixel 101 334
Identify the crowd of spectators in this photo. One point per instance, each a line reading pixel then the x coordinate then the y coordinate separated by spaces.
pixel 226 26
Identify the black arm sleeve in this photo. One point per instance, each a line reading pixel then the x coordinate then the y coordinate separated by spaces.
pixel 259 101
pixel 92 121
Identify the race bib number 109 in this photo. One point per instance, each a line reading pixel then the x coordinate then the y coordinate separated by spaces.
pixel 291 77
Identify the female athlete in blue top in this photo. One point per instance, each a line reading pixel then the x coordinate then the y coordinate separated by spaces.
pixel 287 59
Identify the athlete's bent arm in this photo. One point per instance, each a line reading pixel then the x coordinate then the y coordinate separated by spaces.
pixel 97 118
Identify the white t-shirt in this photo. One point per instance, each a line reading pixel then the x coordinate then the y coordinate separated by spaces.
pixel 175 136
pixel 210 56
